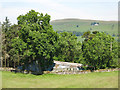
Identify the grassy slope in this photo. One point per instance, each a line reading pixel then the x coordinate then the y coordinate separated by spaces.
pixel 91 80
pixel 84 25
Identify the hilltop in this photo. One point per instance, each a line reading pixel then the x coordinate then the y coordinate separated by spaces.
pixel 79 26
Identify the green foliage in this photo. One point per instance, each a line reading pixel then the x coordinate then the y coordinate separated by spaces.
pixel 6 41
pixel 86 34
pixel 100 51
pixel 36 39
pixel 67 48
pixel 9 32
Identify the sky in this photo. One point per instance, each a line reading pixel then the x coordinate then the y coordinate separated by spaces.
pixel 106 10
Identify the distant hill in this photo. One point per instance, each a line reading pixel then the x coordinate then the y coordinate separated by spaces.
pixel 79 26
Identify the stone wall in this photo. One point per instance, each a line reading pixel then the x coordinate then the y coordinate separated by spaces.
pixel 81 71
pixel 67 71
pixel 73 68
pixel 6 69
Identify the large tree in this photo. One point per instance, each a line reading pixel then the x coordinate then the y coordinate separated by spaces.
pixel 99 50
pixel 9 32
pixel 5 41
pixel 36 39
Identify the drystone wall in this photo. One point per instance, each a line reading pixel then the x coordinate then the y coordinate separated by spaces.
pixel 73 68
pixel 81 71
pixel 6 69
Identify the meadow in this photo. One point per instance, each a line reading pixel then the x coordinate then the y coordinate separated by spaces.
pixel 90 80
pixel 110 27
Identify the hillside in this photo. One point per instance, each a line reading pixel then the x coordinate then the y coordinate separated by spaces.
pixel 79 26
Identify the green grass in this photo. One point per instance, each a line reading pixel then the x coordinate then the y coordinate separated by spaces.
pixel 90 80
pixel 85 25
pixel 0 80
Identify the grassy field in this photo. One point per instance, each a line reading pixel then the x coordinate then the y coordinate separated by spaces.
pixel 0 80
pixel 110 27
pixel 90 80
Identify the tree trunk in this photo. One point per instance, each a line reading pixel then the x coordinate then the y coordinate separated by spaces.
pixel 18 59
pixel 5 61
pixel 14 64
pixel 40 69
pixel 94 68
pixel 1 61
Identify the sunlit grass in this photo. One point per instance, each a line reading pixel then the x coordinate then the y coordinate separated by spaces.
pixel 91 80
pixel 0 80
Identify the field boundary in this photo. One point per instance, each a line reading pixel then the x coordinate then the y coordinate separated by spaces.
pixel 84 71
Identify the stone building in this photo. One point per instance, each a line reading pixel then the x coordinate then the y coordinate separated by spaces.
pixel 57 66
pixel 66 66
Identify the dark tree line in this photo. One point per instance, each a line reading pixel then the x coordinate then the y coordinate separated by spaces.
pixel 73 32
pixel 93 23
pixel 33 39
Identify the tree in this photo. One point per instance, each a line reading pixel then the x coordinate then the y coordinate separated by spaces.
pixel 5 41
pixel 1 63
pixel 67 48
pixel 14 57
pixel 99 51
pixel 86 35
pixel 8 33
pixel 36 39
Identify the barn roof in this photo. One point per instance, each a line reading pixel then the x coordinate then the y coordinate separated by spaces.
pixel 67 63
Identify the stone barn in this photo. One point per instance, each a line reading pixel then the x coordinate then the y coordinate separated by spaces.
pixel 57 66
pixel 66 66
